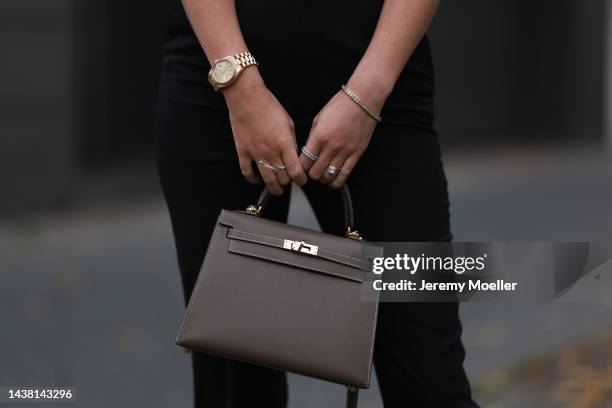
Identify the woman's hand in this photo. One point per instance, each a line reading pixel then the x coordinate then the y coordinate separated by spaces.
pixel 263 133
pixel 342 131
pixel 339 135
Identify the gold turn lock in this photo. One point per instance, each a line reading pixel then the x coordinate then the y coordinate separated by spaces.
pixel 301 246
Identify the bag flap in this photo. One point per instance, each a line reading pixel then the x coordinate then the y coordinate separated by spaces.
pixel 299 247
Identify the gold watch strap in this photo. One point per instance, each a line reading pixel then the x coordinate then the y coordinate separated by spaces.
pixel 245 59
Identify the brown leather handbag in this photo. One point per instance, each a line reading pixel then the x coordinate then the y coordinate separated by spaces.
pixel 286 297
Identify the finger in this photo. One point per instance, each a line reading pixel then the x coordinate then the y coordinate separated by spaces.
pixel 345 171
pixel 318 168
pixel 281 172
pixel 294 168
pixel 269 177
pixel 314 146
pixel 336 162
pixel 246 168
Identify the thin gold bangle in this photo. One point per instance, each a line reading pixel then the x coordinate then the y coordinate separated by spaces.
pixel 362 105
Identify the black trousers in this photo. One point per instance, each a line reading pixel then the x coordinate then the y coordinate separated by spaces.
pixel 399 193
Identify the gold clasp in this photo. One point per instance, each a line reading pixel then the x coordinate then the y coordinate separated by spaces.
pixel 301 246
pixel 351 233
pixel 253 210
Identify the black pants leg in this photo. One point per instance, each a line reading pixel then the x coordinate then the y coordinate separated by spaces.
pixel 399 196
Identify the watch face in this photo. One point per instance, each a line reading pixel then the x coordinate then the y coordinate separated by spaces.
pixel 223 71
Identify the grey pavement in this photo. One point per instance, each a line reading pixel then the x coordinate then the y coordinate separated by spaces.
pixel 91 298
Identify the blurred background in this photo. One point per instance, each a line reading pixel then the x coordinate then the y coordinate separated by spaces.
pixel 89 286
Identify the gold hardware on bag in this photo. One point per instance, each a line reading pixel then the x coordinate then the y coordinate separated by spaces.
pixel 253 210
pixel 300 246
pixel 353 234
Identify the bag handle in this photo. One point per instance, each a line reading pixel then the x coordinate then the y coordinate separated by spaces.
pixel 346 199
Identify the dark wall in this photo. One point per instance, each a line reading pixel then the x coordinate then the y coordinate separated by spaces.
pixel 135 40
pixel 37 99
pixel 92 79
pixel 122 76
pixel 519 70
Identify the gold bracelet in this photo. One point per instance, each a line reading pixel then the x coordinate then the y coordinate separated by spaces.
pixel 362 105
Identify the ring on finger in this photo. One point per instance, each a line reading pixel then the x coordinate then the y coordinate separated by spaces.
pixel 312 156
pixel 280 167
pixel 267 165
pixel 332 170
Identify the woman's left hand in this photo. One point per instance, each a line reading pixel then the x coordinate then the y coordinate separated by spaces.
pixel 339 135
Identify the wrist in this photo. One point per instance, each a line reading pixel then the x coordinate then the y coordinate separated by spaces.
pixel 249 83
pixel 373 92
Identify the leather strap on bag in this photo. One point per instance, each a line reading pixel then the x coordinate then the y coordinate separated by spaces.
pixel 346 199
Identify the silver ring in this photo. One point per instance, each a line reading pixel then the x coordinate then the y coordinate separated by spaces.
pixel 309 154
pixel 333 170
pixel 267 165
pixel 280 166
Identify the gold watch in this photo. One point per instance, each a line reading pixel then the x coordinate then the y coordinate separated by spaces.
pixel 225 71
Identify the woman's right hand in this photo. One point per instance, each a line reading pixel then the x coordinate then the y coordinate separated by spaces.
pixel 263 133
